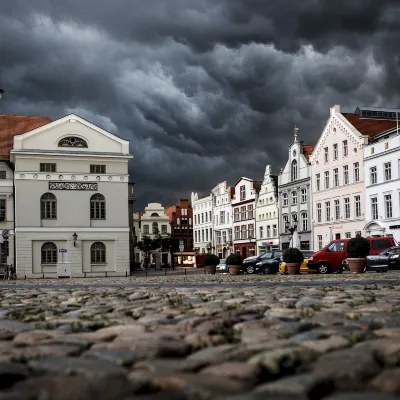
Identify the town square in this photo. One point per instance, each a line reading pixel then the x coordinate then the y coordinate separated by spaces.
pixel 199 200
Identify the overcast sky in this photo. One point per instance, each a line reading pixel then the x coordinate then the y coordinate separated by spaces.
pixel 205 90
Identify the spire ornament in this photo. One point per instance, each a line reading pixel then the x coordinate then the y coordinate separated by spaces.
pixel 296 132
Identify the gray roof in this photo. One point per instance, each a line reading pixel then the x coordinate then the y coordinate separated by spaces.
pixel 382 109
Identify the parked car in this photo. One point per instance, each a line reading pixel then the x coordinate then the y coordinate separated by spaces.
pixel 304 264
pixel 249 264
pixel 222 267
pixel 388 259
pixel 269 262
pixel 331 257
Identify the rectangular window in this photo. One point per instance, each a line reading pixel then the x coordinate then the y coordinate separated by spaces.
pixel 3 175
pixel 202 235
pixel 326 154
pixel 335 152
pixel 206 235
pixel 303 195
pixel 318 182
pixel 373 175
pixel 374 207
pixel 48 167
pixel 209 216
pixel 294 198
pixel 222 217
pixel 346 175
pixel 268 231
pixel 347 235
pixel 261 232
pixel 285 200
pixel 304 221
pixel 236 214
pixel 250 214
pixel 357 203
pixel 319 212
pixel 274 230
pixel 224 237
pixel 206 216
pixel 326 179
pixel 243 213
pixel 2 210
pixel 345 148
pixel 356 167
pixel 211 238
pixel 218 237
pixel 347 208
pixel 337 209
pixel 251 230
pixel 388 206
pixel 388 171
pixel 164 229
pixel 336 177
pixel 97 169
pixel 146 229
pixel 328 210
pixel 195 236
pixel 202 218
pixel 319 240
pixel 244 232
pixel 242 192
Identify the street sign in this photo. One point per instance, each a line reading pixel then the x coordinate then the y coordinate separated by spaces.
pixel 181 248
pixel 62 250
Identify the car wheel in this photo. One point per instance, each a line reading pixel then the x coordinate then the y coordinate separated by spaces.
pixel 323 268
pixel 266 270
pixel 250 269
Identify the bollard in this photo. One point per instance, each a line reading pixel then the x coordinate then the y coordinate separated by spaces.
pixel 126 274
pixel 146 272
pixel 25 276
pixel 165 271
pixel 84 274
pixel 106 274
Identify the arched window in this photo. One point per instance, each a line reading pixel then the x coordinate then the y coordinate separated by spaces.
pixel 98 253
pixel 154 215
pixel 97 206
pixel 72 141
pixel 48 206
pixel 49 253
pixel 155 228
pixel 294 170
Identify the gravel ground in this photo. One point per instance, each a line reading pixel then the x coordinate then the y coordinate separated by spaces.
pixel 289 340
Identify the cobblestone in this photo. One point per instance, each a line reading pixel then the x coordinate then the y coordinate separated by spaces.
pixel 213 340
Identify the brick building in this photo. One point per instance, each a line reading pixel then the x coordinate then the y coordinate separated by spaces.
pixel 181 220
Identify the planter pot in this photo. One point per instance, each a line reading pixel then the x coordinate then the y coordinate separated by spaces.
pixel 356 265
pixel 293 268
pixel 234 269
pixel 211 269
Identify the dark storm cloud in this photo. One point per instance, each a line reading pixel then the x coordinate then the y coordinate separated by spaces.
pixel 205 90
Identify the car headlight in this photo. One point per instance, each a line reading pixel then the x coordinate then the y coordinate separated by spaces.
pixel 395 256
pixel 310 258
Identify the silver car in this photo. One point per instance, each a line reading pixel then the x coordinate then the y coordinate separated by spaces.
pixel 222 267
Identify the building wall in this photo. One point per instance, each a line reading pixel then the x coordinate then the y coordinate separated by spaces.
pixel 202 222
pixel 223 220
pixel 72 185
pixel 267 214
pixel 337 130
pixel 246 219
pixel 288 186
pixel 377 155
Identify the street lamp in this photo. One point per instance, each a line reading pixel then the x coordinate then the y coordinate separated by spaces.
pixel 75 238
pixel 291 229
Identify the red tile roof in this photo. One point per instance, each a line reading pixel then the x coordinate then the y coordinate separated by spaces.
pixel 12 125
pixel 368 126
pixel 307 150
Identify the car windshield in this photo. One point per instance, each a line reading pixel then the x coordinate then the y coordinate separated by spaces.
pixel 222 261
pixel 266 256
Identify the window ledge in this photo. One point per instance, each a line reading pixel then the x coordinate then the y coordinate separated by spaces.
pixel 97 264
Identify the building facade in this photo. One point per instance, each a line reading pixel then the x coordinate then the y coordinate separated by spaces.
pixel 244 200
pixel 202 222
pixel 222 218
pixel 10 126
pixel 154 221
pixel 181 221
pixel 382 185
pixel 295 195
pixel 267 214
pixel 71 200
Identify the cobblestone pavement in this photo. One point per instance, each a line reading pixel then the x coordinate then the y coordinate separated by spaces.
pixel 334 342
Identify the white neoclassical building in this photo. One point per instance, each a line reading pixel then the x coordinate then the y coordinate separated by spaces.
pixel 202 206
pixel 222 220
pixel 382 184
pixel 71 200
pixel 154 221
pixel 338 171
pixel 267 214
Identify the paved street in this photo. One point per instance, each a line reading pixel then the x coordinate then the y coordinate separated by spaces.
pixel 201 337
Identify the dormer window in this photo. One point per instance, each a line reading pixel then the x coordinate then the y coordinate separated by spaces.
pixel 72 141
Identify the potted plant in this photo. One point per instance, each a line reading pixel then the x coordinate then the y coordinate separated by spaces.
pixel 234 263
pixel 357 249
pixel 210 263
pixel 293 258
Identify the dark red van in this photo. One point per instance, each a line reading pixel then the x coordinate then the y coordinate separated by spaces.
pixel 330 258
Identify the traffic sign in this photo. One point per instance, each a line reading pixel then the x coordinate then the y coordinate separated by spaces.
pixel 62 250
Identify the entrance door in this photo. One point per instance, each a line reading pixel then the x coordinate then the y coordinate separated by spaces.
pixel 337 236
pixel 244 252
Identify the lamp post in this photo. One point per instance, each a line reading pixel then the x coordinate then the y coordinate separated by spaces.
pixel 75 238
pixel 291 229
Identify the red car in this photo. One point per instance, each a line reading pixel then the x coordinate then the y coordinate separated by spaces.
pixel 330 258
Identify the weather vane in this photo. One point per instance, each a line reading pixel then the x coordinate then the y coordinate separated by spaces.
pixel 296 131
